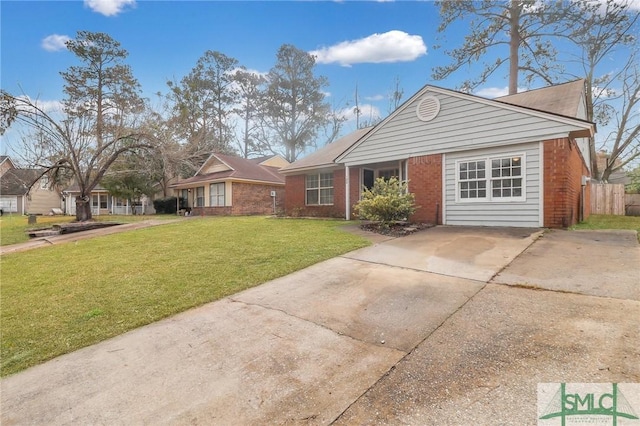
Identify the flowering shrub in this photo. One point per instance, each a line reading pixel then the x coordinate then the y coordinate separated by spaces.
pixel 388 201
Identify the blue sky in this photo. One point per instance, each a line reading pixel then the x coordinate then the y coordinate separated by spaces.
pixel 368 44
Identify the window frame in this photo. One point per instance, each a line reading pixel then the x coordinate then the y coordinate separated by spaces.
pixel 199 199
pixel 319 188
pixel 217 195
pixel 489 180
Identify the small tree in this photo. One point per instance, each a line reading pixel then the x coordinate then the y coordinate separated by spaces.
pixel 388 201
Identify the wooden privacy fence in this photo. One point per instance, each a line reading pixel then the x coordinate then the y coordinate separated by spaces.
pixel 607 199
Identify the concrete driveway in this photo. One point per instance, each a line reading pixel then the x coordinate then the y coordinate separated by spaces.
pixel 415 330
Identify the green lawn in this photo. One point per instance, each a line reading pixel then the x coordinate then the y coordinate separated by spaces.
pixel 58 299
pixel 13 227
pixel 596 221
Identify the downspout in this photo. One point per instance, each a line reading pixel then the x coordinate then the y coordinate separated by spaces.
pixel 347 195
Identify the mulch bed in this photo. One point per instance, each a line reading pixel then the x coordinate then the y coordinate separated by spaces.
pixel 397 229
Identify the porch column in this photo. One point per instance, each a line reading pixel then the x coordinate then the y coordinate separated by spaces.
pixel 347 194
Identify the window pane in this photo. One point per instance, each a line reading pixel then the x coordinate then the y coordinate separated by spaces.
pixel 482 184
pixel 482 193
pixel 517 192
pixel 326 196
pixel 464 175
pixel 481 174
pixel 516 171
pixel 497 184
pixel 472 166
pixel 495 173
pixel 464 194
pixel 312 181
pixel 506 172
pixel 463 166
pixel 312 197
pixel 517 182
pixel 506 162
pixel 496 192
pixel 472 174
pixel 506 192
pixel 326 180
pixel 464 185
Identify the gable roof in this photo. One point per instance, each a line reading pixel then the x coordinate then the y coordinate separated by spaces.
pixel 327 155
pixel 562 99
pixel 18 181
pixel 238 169
pixel 476 119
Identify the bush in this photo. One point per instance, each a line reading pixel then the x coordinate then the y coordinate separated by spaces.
pixel 388 201
pixel 165 205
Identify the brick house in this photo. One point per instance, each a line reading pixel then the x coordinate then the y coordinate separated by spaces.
pixel 230 185
pixel 520 160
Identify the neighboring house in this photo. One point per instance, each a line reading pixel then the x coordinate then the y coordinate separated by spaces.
pixel 229 185
pixel 23 191
pixel 619 176
pixel 104 203
pixel 520 160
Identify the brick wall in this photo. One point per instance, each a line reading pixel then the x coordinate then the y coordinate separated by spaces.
pixel 425 181
pixel 247 199
pixel 295 195
pixel 251 198
pixel 563 171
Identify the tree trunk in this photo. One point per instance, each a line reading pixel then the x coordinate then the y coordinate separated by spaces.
pixel 514 45
pixel 83 209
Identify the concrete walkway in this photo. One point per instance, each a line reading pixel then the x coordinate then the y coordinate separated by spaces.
pixel 439 327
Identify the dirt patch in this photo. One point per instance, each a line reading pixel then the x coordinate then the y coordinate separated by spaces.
pixel 397 229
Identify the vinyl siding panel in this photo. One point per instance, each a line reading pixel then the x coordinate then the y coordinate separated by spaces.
pixel 517 213
pixel 461 125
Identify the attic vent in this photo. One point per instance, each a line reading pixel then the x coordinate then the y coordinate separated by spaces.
pixel 428 108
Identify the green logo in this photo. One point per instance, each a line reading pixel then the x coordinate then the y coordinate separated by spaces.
pixel 588 400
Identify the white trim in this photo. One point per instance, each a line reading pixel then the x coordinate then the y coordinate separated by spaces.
pixel 489 198
pixel 443 172
pixel 320 188
pixel 541 177
pixel 347 196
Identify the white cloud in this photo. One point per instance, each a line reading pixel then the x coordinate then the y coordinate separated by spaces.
pixel 368 113
pixel 496 92
pixel 55 42
pixel 493 92
pixel 109 7
pixel 375 98
pixel 392 46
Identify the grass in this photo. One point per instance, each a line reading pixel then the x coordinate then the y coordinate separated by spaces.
pixel 58 299
pixel 13 227
pixel 611 222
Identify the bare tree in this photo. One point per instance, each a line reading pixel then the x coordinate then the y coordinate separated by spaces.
pixel 99 118
pixel 523 28
pixel 599 29
pixel 624 140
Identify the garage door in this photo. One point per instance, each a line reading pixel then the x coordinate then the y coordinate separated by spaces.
pixel 9 203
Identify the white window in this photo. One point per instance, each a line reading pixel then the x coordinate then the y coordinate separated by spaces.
pixel 506 178
pixel 216 195
pixel 319 189
pixel 200 196
pixel 99 201
pixel 491 179
pixel 44 182
pixel 472 180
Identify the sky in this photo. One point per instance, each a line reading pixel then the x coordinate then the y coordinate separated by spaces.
pixel 364 44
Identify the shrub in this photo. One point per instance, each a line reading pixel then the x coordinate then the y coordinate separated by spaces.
pixel 165 205
pixel 388 201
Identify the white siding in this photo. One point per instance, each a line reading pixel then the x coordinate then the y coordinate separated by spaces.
pixel 523 213
pixel 462 124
